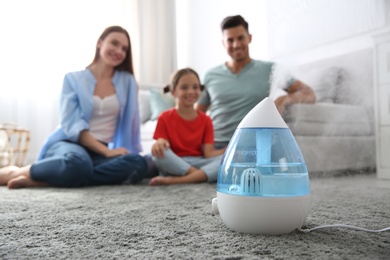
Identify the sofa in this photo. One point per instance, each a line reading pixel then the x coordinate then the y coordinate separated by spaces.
pixel 336 134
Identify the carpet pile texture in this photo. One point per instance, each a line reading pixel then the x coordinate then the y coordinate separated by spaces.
pixel 177 222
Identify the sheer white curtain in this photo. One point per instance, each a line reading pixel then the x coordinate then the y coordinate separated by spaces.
pixel 157 20
pixel 43 39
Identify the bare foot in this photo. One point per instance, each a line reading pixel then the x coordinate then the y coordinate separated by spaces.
pixel 160 180
pixel 24 182
pixel 192 177
pixel 7 173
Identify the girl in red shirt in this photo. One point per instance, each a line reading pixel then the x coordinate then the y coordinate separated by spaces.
pixel 184 148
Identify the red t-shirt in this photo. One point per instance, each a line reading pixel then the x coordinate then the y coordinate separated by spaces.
pixel 186 137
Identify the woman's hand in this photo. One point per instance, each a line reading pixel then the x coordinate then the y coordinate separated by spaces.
pixel 116 152
pixel 159 146
pixel 88 141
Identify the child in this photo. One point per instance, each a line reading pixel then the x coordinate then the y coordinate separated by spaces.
pixel 184 148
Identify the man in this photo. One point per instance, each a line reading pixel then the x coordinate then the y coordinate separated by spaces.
pixel 235 87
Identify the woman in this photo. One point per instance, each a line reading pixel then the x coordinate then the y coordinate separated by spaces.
pixel 98 139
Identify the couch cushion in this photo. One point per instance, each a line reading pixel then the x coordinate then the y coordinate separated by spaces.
pixel 147 131
pixel 355 87
pixel 323 81
pixel 328 119
pixel 160 102
pixel 355 80
pixel 144 105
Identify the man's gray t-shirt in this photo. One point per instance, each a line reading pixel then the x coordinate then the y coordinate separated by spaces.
pixel 232 96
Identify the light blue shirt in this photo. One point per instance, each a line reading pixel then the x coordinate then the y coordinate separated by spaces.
pixel 77 105
pixel 231 96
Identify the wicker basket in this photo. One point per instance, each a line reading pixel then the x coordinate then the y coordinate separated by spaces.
pixel 14 142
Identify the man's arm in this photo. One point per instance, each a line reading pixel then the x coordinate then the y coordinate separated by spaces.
pixel 298 92
pixel 201 107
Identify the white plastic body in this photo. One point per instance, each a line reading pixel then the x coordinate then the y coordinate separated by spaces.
pixel 265 114
pixel 262 215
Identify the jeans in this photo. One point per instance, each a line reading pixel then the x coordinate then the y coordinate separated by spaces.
pixel 174 165
pixel 67 164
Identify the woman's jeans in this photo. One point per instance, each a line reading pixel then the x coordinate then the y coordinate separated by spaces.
pixel 68 164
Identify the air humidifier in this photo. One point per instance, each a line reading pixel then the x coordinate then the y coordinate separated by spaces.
pixel 263 184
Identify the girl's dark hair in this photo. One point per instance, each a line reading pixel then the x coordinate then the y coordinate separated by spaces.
pixel 234 21
pixel 127 64
pixel 177 76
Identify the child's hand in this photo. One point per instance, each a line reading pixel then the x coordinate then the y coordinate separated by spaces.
pixel 159 146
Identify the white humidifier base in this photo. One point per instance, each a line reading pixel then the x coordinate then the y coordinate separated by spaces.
pixel 262 215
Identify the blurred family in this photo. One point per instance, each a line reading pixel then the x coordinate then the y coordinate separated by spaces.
pixel 98 139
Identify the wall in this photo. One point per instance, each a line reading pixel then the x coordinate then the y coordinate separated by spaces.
pixel 304 31
pixel 199 38
pixel 289 32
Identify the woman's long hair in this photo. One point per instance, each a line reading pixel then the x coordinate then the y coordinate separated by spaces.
pixel 127 64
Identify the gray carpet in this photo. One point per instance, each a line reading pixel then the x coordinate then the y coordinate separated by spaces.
pixel 176 222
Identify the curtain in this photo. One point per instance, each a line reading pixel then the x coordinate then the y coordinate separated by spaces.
pixel 44 39
pixel 157 40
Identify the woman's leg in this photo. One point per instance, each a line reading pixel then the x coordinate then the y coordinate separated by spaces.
pixel 129 168
pixel 64 165
pixel 152 166
pixel 22 179
pixel 9 173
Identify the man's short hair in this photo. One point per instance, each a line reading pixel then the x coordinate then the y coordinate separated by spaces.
pixel 234 21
